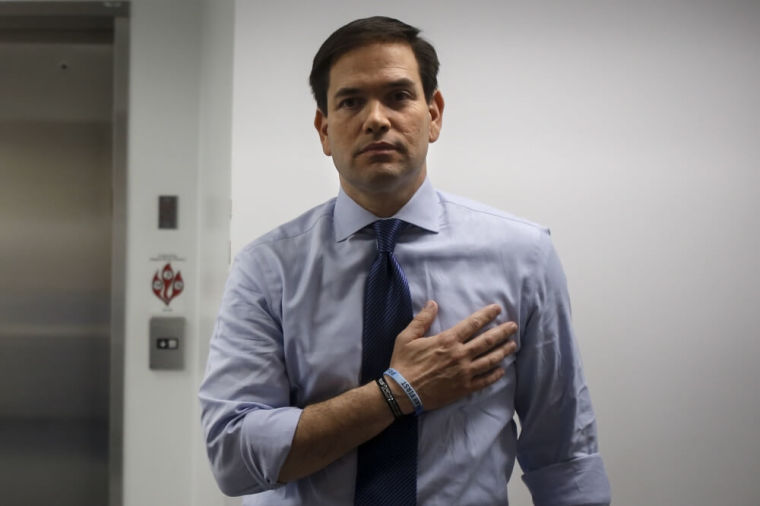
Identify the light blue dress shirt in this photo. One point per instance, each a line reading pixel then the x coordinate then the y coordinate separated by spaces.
pixel 289 334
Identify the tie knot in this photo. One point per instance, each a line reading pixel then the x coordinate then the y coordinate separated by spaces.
pixel 387 233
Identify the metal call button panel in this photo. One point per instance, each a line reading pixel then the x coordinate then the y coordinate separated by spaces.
pixel 167 339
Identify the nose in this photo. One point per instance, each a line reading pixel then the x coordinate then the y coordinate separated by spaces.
pixel 376 120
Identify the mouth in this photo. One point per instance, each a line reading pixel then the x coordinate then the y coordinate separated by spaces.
pixel 378 148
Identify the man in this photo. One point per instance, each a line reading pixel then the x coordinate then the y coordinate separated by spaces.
pixel 298 407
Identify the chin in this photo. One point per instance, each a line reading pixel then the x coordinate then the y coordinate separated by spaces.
pixel 379 177
pixel 388 176
pixel 391 182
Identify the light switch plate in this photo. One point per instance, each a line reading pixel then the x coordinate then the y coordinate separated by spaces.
pixel 167 340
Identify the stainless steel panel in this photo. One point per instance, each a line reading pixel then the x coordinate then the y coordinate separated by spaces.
pixel 55 272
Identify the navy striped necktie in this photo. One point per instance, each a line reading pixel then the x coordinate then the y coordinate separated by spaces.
pixel 387 464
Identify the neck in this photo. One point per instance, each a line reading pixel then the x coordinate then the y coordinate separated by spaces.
pixel 384 203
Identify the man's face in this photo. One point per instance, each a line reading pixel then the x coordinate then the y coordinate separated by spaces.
pixel 378 123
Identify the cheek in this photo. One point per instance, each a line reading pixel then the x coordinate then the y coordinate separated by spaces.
pixel 337 136
pixel 417 134
pixel 418 130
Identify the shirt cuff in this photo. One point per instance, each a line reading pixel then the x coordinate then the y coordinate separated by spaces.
pixel 267 436
pixel 581 481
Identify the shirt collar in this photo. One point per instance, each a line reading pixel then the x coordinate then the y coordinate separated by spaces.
pixel 422 210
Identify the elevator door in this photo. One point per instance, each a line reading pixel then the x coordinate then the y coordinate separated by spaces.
pixel 55 268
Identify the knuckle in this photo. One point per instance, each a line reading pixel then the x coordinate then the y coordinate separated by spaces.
pixel 459 354
pixel 418 321
pixel 503 332
pixel 449 339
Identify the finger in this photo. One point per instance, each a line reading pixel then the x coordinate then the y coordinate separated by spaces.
pixel 476 321
pixel 488 378
pixel 492 359
pixel 490 339
pixel 421 322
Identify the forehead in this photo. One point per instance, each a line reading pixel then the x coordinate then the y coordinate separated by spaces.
pixel 374 64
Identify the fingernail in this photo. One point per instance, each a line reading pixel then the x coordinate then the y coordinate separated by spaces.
pixel 429 304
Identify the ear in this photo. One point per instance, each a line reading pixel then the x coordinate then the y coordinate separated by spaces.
pixel 320 123
pixel 435 107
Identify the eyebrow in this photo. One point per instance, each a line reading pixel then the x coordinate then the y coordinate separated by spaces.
pixel 398 83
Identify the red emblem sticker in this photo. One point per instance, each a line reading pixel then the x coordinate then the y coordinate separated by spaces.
pixel 167 284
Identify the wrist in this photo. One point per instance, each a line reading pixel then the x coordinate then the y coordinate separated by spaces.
pixel 402 397
pixel 383 413
pixel 390 399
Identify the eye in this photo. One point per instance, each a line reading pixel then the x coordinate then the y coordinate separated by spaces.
pixel 400 98
pixel 401 95
pixel 349 103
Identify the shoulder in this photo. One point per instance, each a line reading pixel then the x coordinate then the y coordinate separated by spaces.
pixel 477 218
pixel 313 224
pixel 522 244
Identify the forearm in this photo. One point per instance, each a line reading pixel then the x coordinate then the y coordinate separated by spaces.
pixel 448 366
pixel 328 430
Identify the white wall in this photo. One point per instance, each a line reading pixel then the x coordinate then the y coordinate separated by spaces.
pixel 178 144
pixel 629 128
pixel 213 210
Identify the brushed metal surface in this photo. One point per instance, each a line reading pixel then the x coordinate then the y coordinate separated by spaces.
pixel 56 163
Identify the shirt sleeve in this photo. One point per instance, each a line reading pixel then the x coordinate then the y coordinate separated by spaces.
pixel 557 447
pixel 245 397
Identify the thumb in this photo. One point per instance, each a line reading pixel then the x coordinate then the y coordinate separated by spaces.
pixel 421 322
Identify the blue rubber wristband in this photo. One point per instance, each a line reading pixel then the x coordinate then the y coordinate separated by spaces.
pixel 407 388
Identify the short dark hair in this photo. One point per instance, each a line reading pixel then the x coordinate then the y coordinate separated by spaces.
pixel 368 31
